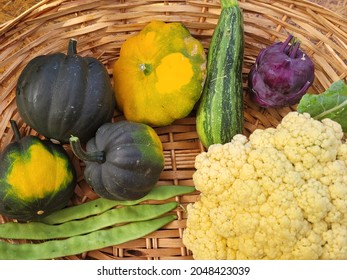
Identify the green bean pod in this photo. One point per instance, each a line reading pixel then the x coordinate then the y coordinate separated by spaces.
pixel 100 205
pixel 41 231
pixel 82 243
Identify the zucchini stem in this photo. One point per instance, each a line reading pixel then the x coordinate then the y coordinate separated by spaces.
pixel 229 3
pixel 98 156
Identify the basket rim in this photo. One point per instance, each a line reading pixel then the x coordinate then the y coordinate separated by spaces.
pixel 9 23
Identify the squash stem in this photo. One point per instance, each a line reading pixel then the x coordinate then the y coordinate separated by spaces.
pixel 229 3
pixel 72 47
pixel 146 68
pixel 15 130
pixel 77 149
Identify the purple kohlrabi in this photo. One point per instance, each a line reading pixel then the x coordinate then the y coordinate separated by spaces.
pixel 281 75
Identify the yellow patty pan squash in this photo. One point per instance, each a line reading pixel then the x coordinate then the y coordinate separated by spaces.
pixel 160 73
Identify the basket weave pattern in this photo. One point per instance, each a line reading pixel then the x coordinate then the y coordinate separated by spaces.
pixel 102 26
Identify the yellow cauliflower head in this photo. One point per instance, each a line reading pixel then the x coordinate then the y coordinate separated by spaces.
pixel 280 194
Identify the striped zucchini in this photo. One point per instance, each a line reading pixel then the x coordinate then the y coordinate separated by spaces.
pixel 220 113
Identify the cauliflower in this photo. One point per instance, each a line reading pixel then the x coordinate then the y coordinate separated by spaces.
pixel 280 194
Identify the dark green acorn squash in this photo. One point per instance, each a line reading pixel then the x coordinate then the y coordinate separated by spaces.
pixel 36 178
pixel 123 161
pixel 59 95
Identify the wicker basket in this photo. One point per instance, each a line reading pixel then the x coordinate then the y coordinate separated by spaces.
pixel 102 26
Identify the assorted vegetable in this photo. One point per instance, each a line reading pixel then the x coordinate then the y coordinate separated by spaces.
pixel 92 225
pixel 281 75
pixel 36 178
pixel 100 205
pixel 330 104
pixel 82 243
pixel 59 95
pixel 279 194
pixel 123 161
pixel 159 74
pixel 42 231
pixel 220 113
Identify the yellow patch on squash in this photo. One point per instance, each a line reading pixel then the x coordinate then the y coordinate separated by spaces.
pixel 37 173
pixel 174 72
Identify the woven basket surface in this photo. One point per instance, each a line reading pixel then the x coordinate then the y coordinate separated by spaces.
pixel 102 26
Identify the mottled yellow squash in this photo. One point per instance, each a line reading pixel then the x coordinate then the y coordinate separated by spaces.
pixel 160 73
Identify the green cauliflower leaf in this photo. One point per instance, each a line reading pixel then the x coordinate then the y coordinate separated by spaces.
pixel 330 104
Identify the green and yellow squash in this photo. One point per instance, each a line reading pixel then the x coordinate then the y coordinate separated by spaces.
pixel 36 178
pixel 159 75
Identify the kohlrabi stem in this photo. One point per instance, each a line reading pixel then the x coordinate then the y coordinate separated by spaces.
pixel 286 43
pixel 98 156
pixel 303 90
pixel 294 48
pixel 15 130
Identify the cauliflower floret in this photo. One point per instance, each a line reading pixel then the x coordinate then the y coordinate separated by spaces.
pixel 210 176
pixel 309 247
pixel 298 135
pixel 336 127
pixel 342 152
pixel 261 138
pixel 281 194
pixel 244 195
pixel 200 236
pixel 336 242
pixel 314 200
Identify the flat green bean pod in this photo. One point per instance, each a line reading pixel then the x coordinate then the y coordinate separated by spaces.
pixel 126 214
pixel 100 205
pixel 82 243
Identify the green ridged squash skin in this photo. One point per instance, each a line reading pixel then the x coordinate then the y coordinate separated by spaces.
pixel 61 95
pixel 133 160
